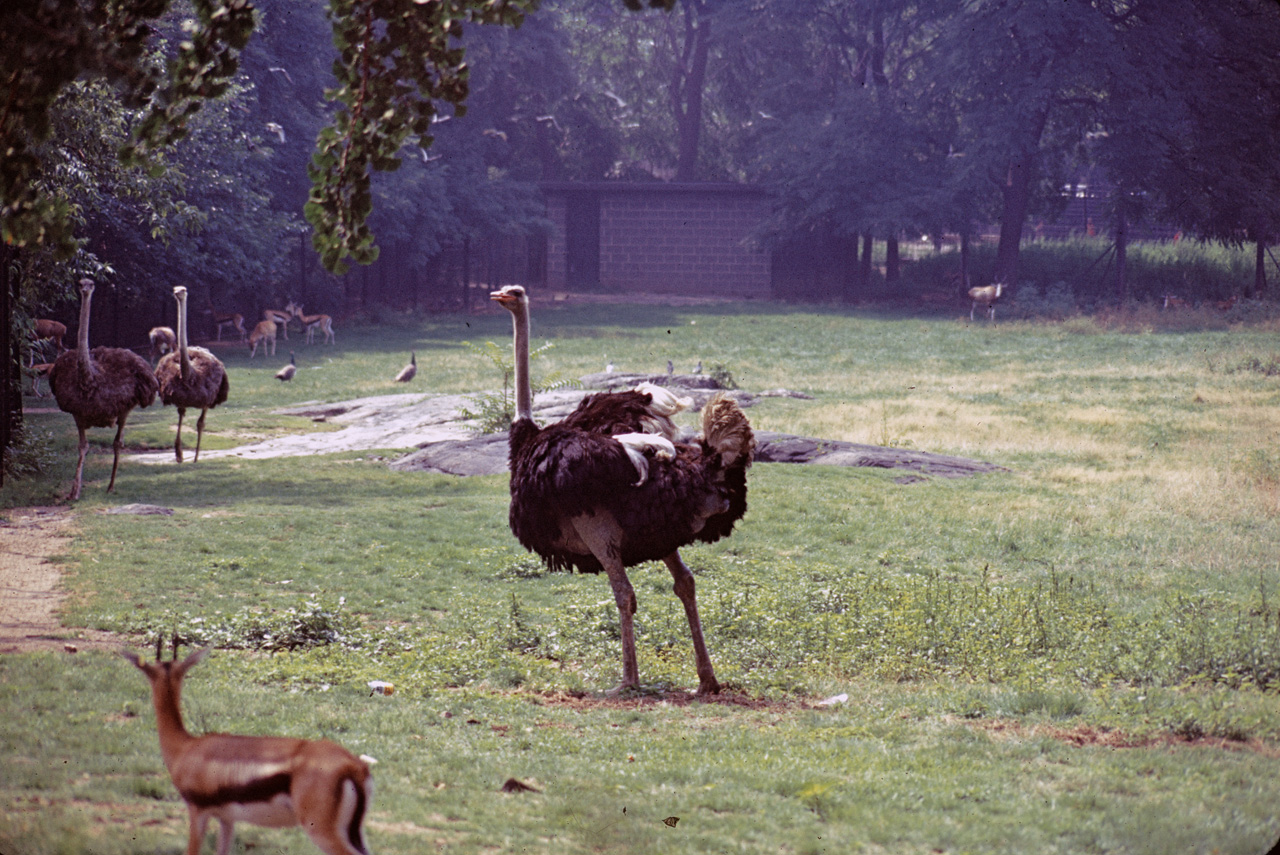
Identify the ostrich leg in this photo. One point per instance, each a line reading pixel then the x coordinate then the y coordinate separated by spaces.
pixel 84 448
pixel 199 433
pixel 115 460
pixel 684 588
pixel 177 439
pixel 625 597
pixel 601 535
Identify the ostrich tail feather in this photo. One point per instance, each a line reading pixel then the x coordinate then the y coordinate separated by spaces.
pixel 665 402
pixel 727 432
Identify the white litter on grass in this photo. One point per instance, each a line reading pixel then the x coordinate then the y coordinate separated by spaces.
pixel 833 700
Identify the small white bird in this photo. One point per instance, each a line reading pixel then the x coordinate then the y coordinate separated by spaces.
pixel 671 369
pixel 285 374
pixel 697 369
pixel 406 373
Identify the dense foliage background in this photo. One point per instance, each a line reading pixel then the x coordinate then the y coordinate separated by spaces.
pixel 263 147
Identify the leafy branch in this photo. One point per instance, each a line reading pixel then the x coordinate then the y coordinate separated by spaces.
pixel 494 411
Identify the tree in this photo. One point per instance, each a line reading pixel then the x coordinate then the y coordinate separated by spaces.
pixel 1029 80
pixel 396 57
pixel 850 142
pixel 1219 174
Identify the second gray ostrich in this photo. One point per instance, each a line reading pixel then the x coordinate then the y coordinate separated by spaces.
pixel 190 377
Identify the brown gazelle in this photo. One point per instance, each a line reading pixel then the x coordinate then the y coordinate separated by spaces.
pixel 311 323
pixel 272 781
pixel 281 317
pixel 265 334
pixel 235 320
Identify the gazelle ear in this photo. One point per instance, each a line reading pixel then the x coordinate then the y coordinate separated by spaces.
pixel 133 658
pixel 193 659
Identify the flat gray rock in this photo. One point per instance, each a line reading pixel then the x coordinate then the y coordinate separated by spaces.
pixel 448 444
pixel 487 455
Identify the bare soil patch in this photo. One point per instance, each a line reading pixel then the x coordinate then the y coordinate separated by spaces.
pixel 30 593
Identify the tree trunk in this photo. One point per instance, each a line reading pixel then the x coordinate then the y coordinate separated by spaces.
pixel 1122 247
pixel 11 379
pixel 687 85
pixel 964 262
pixel 846 261
pixel 1015 198
pixel 892 266
pixel 1260 269
pixel 864 263
pixel 466 274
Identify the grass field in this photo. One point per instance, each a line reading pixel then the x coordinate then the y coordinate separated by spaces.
pixel 1078 654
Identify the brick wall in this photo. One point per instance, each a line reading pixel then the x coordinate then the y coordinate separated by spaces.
pixel 664 238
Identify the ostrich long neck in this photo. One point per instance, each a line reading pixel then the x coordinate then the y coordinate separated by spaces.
pixel 184 359
pixel 83 358
pixel 524 393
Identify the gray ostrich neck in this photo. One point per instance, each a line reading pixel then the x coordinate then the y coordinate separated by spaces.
pixel 184 359
pixel 524 393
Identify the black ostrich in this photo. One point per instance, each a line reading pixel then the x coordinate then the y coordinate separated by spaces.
pixel 576 500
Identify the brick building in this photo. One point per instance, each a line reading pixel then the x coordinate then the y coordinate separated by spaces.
pixel 692 239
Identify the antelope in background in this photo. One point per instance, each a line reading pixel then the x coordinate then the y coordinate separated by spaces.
pixel 281 317
pixel 265 331
pixel 310 323
pixel 986 296
pixel 272 781
pixel 235 320
pixel 46 330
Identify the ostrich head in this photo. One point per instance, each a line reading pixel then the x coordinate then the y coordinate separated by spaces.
pixel 511 297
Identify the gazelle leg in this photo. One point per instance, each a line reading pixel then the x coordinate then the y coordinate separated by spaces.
pixel 685 590
pixel 225 836
pixel 197 823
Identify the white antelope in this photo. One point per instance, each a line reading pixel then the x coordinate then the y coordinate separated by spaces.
pixel 235 320
pixel 986 296
pixel 272 781
pixel 281 317
pixel 310 323
pixel 265 331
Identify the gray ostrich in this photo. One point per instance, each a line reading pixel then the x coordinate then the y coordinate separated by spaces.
pixel 190 377
pixel 99 388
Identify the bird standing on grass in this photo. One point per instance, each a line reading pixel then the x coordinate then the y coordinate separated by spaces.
pixel 285 374
pixel 575 499
pixel 407 373
pixel 99 388
pixel 191 377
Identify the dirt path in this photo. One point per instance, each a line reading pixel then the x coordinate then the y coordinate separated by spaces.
pixel 29 584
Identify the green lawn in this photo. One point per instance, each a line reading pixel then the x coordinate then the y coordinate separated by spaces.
pixel 1077 654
